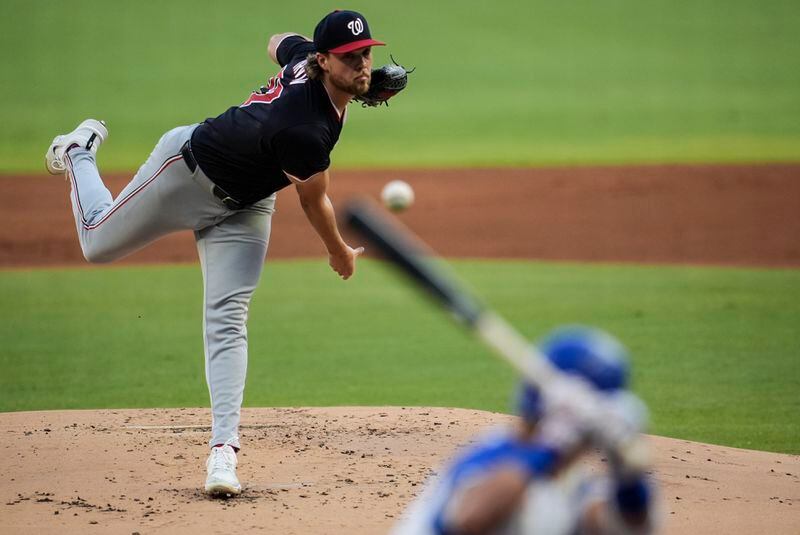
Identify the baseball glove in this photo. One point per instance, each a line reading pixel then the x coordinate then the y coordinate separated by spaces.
pixel 386 82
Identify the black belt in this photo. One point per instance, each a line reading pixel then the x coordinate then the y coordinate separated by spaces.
pixel 219 193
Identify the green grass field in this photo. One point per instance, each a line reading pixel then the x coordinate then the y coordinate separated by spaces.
pixel 715 350
pixel 513 82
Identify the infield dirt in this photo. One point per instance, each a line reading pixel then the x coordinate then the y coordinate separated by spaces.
pixel 352 470
pixel 736 215
pixel 320 471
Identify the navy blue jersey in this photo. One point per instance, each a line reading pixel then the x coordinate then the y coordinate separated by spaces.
pixel 288 126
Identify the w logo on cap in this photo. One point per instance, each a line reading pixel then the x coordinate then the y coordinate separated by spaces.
pixel 356 26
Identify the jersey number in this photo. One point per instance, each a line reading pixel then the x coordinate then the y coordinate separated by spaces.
pixel 272 91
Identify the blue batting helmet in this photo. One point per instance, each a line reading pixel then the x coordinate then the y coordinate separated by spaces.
pixel 591 354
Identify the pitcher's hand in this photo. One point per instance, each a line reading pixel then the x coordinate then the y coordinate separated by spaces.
pixel 344 262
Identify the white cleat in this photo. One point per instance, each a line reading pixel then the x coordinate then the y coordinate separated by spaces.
pixel 221 467
pixel 89 135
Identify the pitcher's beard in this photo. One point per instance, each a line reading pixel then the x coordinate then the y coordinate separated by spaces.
pixel 354 87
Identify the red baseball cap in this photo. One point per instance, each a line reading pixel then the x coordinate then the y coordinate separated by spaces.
pixel 343 31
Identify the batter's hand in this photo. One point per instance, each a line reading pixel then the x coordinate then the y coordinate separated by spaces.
pixel 344 262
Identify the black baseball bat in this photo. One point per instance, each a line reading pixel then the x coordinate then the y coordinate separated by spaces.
pixel 416 260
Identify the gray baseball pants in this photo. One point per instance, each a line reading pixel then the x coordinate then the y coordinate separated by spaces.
pixel 166 197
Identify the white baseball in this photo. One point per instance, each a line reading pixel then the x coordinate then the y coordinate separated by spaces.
pixel 397 195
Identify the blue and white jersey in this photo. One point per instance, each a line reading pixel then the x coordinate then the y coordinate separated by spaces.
pixel 547 499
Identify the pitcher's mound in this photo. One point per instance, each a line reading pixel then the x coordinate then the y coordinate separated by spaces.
pixel 328 471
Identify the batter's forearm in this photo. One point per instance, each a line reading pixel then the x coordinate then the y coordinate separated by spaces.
pixel 483 507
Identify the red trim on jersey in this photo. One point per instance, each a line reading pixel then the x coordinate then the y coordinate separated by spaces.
pixel 119 202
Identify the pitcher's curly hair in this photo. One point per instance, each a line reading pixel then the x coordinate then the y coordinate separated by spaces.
pixel 313 70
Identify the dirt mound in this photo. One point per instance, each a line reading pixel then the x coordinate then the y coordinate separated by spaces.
pixel 319 471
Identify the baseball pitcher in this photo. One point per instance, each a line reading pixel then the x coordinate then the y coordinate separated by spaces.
pixel 219 179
